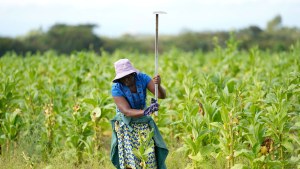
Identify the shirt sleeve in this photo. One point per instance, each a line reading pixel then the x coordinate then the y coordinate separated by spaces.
pixel 145 79
pixel 116 90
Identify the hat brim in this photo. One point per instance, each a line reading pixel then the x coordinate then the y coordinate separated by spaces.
pixel 120 75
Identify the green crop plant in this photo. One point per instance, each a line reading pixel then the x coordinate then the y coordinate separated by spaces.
pixel 145 147
pixel 49 124
pixel 95 116
pixel 9 109
pixel 78 129
pixel 243 105
pixel 10 127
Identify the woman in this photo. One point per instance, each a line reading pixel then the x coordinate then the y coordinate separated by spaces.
pixel 132 118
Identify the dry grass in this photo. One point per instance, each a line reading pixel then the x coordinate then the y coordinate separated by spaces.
pixel 18 161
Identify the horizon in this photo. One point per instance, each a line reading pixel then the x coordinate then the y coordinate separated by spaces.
pixel 136 18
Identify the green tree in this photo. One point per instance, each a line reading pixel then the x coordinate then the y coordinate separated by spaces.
pixel 65 38
pixel 35 40
pixel 10 44
pixel 274 24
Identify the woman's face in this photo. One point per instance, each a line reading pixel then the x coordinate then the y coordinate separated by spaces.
pixel 128 80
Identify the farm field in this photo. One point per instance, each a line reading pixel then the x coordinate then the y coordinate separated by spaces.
pixel 224 109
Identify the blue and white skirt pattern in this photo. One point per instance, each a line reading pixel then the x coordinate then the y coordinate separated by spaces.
pixel 127 141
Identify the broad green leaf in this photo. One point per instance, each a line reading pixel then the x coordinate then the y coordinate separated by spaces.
pixel 90 101
pixel 289 146
pixel 149 150
pixel 198 157
pixel 239 166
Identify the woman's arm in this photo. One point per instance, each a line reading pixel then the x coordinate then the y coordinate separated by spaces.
pixel 161 90
pixel 124 107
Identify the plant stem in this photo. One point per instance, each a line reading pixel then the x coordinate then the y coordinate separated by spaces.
pixel 281 148
pixel 7 146
pixel 231 149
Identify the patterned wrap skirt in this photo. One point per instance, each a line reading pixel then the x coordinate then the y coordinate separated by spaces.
pixel 129 140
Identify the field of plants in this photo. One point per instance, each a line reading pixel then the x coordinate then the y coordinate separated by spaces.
pixel 224 109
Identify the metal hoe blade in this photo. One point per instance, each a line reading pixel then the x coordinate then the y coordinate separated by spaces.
pixel 156 52
pixel 159 12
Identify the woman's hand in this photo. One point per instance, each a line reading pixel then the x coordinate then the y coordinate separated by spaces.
pixel 152 108
pixel 151 86
pixel 157 80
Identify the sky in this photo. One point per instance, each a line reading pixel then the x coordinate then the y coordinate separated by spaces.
pixel 118 17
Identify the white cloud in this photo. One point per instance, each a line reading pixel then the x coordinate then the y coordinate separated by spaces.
pixel 116 17
pixel 109 3
pixel 79 3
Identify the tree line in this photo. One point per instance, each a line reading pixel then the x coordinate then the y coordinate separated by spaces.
pixel 69 38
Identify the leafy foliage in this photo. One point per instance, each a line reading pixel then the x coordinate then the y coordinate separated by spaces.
pixel 66 39
pixel 225 109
